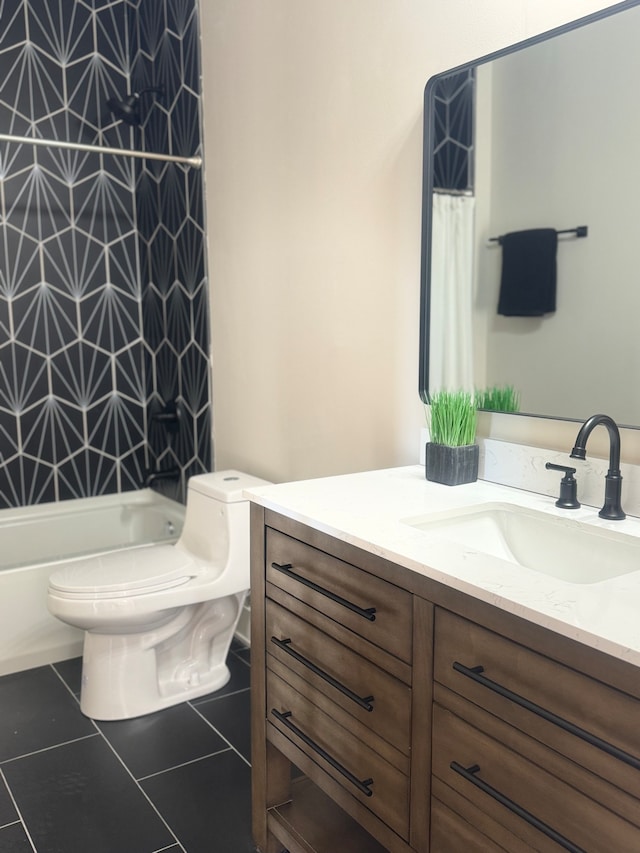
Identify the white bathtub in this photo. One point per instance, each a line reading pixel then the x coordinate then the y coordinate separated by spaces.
pixel 34 540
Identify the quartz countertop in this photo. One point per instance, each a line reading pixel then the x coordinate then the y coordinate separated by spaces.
pixel 371 510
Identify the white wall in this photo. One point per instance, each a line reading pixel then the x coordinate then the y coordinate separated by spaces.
pixel 313 146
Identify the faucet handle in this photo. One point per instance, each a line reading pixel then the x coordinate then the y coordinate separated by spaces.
pixel 568 471
pixel 568 486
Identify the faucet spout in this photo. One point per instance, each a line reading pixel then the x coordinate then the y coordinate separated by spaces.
pixel 155 476
pixel 612 508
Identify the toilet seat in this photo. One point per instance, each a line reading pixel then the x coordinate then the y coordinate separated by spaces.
pixel 143 571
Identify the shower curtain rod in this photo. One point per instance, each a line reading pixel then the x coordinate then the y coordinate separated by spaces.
pixel 195 161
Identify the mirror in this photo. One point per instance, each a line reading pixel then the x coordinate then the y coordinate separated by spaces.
pixel 556 126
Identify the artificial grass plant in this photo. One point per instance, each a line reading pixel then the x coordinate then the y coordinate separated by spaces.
pixel 452 419
pixel 498 398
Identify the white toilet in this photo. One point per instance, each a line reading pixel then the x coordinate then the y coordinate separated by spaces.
pixel 159 620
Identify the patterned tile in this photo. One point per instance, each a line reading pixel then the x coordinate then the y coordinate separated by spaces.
pixel 453 132
pixel 99 256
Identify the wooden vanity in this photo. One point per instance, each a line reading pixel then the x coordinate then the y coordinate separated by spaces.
pixel 392 712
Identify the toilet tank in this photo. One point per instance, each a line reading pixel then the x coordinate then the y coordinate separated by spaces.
pixel 216 524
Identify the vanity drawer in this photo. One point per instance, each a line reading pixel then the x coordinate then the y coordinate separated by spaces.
pixel 364 774
pixel 376 699
pixel 371 607
pixel 540 808
pixel 450 833
pixel 589 722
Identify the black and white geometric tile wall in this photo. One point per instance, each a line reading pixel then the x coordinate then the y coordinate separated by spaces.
pixel 103 290
pixel 453 146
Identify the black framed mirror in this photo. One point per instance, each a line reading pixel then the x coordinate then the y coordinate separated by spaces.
pixel 554 124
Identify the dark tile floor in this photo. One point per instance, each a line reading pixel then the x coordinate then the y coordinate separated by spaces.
pixel 178 780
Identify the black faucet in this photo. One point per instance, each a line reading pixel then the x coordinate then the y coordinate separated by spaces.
pixel 612 508
pixel 170 417
pixel 168 474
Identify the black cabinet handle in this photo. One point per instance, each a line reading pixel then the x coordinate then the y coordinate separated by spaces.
pixel 363 786
pixel 366 612
pixel 475 674
pixel 285 645
pixel 470 774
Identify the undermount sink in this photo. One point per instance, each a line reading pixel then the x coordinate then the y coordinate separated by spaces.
pixel 564 548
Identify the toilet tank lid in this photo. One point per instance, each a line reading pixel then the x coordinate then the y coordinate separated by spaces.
pixel 226 486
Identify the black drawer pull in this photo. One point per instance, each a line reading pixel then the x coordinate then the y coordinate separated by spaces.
pixel 475 674
pixel 469 773
pixel 363 787
pixel 285 645
pixel 367 613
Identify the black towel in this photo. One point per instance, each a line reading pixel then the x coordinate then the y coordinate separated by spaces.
pixel 528 283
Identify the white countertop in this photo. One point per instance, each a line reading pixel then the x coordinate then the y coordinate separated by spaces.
pixel 371 509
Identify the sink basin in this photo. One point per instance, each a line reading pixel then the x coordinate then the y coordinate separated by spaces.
pixel 563 548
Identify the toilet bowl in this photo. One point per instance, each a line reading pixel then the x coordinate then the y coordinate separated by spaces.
pixel 159 620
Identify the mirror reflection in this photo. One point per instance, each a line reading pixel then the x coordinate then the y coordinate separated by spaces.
pixel 553 148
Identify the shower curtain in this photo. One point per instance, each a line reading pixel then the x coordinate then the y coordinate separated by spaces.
pixel 451 332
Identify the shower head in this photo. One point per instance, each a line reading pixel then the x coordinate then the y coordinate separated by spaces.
pixel 128 109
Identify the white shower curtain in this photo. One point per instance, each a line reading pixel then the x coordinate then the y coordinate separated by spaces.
pixel 450 328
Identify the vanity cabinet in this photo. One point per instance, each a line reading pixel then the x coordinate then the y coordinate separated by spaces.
pixel 547 755
pixel 334 701
pixel 390 712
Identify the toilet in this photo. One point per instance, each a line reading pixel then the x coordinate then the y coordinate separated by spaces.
pixel 159 620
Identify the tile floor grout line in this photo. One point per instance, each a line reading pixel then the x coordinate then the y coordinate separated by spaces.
pixel 226 740
pixel 195 702
pixel 18 812
pixel 77 698
pixel 162 849
pixel 184 764
pixel 239 657
pixel 6 761
pixel 141 789
pixel 11 823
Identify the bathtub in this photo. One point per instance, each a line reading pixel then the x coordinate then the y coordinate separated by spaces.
pixel 35 540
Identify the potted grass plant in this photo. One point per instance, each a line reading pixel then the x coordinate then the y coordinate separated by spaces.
pixel 452 454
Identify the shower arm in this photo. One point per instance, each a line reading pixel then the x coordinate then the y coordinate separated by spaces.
pixel 195 161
